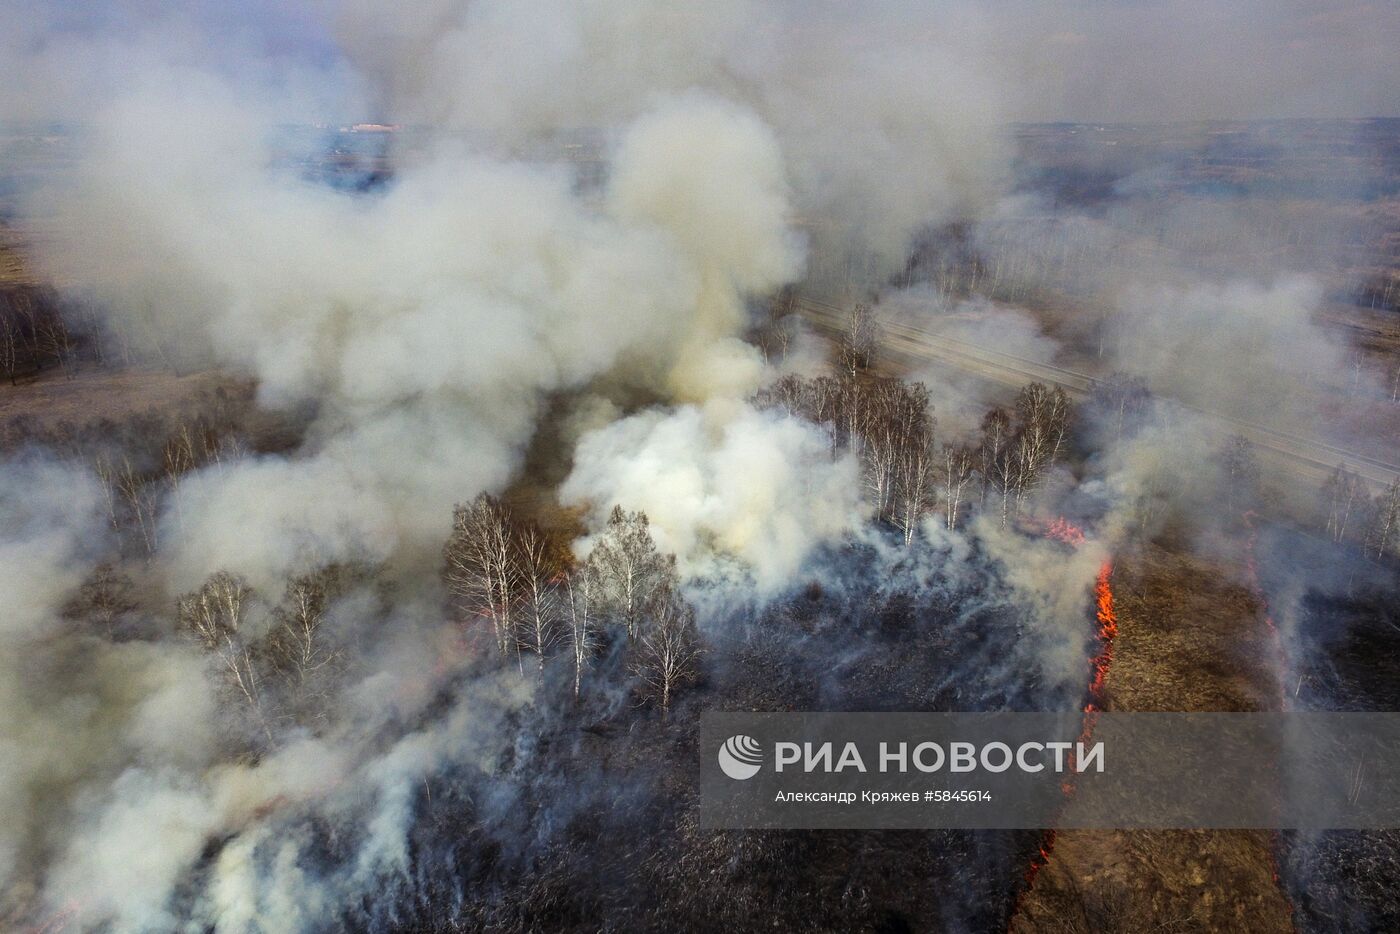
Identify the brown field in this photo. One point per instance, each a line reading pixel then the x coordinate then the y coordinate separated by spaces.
pixel 95 395
pixel 1190 638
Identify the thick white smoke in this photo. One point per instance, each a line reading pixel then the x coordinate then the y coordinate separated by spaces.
pixel 420 327
pixel 424 323
pixel 80 709
pixel 887 115
pixel 758 486
pixel 1239 347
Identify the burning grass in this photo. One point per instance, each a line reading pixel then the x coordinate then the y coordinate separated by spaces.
pixel 1180 636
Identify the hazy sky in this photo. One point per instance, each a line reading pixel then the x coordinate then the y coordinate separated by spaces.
pixel 1084 59
pixel 1185 59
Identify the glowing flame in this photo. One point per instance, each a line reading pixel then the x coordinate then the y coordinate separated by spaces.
pixel 1062 530
pixel 1107 632
pixel 1042 856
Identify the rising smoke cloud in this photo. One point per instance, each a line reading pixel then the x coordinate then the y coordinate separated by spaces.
pixel 421 328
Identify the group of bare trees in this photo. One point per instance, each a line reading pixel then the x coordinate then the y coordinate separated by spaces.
pixel 135 491
pixel 889 423
pixel 1018 448
pixel 279 662
pixel 33 336
pixel 1120 402
pixel 509 576
pixel 38 332
pixel 1349 513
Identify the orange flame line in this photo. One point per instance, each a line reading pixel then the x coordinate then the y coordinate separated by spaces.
pixel 1106 631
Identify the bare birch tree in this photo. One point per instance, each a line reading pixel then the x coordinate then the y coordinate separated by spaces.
pixel 1123 399
pixel 1043 420
pixel 53 340
pixel 141 500
pixel 991 452
pixel 299 648
pixel 1384 534
pixel 104 597
pixel 1341 499
pixel 958 463
pixel 630 569
pixel 216 614
pixel 540 609
pixel 1241 473
pixel 667 651
pixel 915 460
pixel 9 348
pixel 481 567
pixel 581 591
pixel 860 340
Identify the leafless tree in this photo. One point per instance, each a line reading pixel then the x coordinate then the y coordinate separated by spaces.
pixel 996 459
pixel 992 450
pixel 298 646
pixel 541 612
pixel 141 500
pixel 53 340
pixel 860 340
pixel 178 458
pixel 179 454
pixel 906 427
pixel 1342 496
pixel 581 591
pixel 958 463
pixel 1240 468
pixel 1043 421
pixel 216 614
pixel 667 651
pixel 1384 533
pixel 630 569
pixel 9 348
pixel 224 450
pixel 788 393
pixel 481 567
pixel 104 597
pixel 1123 399
pixel 774 336
pixel 851 410
pixel 824 406
pixel 90 325
pixel 107 478
pixel 879 432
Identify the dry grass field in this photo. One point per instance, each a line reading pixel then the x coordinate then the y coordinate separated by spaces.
pixel 1191 637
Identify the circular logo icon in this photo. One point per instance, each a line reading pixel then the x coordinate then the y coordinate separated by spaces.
pixel 741 757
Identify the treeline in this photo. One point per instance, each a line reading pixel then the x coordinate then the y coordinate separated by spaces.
pixel 1351 514
pixel 509 578
pixel 140 460
pixel 34 335
pixel 889 424
pixel 277 660
pixel 38 332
